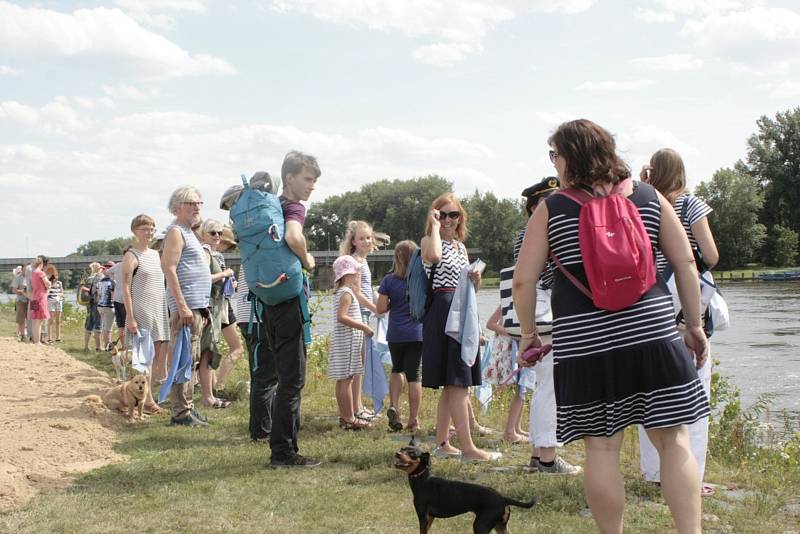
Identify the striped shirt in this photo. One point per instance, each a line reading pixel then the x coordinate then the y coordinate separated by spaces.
pixel 241 306
pixel 194 275
pixel 689 209
pixel 56 291
pixel 581 329
pixel 448 270
pixel 366 284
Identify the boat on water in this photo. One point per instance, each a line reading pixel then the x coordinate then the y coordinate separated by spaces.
pixel 788 276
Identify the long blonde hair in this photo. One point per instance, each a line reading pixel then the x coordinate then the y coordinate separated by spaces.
pixel 346 247
pixel 402 255
pixel 667 173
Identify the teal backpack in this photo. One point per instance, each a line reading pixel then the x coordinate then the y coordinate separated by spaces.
pixel 419 286
pixel 274 274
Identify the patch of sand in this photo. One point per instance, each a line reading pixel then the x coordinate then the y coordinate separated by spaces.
pixel 48 432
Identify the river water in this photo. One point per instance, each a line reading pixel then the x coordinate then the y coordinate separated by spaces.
pixel 759 353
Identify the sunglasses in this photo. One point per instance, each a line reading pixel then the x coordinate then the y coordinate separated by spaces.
pixel 553 156
pixel 451 214
pixel 215 233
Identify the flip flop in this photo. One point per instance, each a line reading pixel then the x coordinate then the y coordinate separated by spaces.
pixel 153 410
pixel 219 404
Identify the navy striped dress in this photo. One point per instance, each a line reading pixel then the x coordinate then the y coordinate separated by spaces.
pixel 614 369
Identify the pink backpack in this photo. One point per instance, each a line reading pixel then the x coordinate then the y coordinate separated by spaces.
pixel 615 248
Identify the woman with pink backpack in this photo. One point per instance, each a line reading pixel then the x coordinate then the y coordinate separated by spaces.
pixel 618 357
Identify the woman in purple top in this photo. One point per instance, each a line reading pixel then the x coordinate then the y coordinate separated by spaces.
pixel 405 339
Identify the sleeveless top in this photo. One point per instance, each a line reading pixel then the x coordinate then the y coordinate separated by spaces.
pixel 366 285
pixel 454 259
pixel 695 209
pixel 194 275
pixel 148 295
pixel 345 341
pixel 581 329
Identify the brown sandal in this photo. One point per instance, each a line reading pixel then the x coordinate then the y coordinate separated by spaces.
pixel 355 424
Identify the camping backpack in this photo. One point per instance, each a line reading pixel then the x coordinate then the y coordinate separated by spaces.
pixel 419 287
pixel 615 249
pixel 273 272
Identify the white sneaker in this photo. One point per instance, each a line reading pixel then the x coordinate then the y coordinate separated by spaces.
pixel 560 467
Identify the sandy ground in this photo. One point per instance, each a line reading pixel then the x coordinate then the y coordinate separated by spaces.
pixel 47 432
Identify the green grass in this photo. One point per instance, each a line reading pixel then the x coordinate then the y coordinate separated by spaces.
pixel 215 480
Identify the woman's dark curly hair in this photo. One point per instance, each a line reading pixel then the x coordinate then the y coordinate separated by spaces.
pixel 589 153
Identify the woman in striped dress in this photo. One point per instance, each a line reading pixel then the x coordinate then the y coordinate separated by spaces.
pixel 445 255
pixel 145 298
pixel 615 369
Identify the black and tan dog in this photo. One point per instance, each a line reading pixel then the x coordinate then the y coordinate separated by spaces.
pixel 437 497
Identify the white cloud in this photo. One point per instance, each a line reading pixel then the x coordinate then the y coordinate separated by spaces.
pixel 153 12
pixel 54 118
pixel 671 63
pixel 758 39
pixel 654 17
pixel 445 54
pixel 457 26
pixel 5 70
pixel 786 90
pixel 131 92
pixel 630 85
pixel 99 34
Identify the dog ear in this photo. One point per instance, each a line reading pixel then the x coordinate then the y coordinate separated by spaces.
pixel 413 442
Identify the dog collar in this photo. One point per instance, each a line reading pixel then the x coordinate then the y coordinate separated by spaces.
pixel 420 473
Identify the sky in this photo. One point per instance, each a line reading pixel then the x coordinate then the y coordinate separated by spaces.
pixel 107 107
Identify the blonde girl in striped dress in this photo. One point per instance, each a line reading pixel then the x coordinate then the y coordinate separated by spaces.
pixel 344 358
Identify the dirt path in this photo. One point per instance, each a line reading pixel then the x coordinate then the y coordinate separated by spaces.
pixel 47 432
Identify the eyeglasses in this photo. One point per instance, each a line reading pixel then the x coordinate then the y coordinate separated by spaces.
pixel 451 214
pixel 215 233
pixel 197 204
pixel 150 229
pixel 553 156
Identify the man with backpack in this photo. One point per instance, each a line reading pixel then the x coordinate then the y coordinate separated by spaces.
pixel 284 322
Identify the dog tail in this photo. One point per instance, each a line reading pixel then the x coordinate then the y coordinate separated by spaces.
pixel 521 504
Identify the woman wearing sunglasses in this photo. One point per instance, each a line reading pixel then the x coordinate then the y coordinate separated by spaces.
pixel 210 355
pixel 444 253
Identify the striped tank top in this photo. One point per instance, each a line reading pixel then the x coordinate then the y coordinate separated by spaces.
pixel 194 274
pixel 454 259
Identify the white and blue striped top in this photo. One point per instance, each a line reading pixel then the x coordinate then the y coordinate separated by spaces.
pixel 366 285
pixel 194 274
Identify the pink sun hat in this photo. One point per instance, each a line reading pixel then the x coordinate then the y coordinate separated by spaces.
pixel 345 265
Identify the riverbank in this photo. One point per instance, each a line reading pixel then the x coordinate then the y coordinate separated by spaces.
pixel 223 476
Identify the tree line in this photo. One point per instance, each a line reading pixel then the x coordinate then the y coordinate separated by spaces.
pixel 756 204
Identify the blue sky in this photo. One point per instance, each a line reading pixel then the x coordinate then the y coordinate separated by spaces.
pixel 106 107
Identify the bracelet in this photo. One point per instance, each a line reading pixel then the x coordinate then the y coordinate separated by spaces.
pixel 530 335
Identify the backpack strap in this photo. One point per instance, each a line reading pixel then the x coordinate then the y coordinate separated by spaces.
pixel 580 196
pixel 577 283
